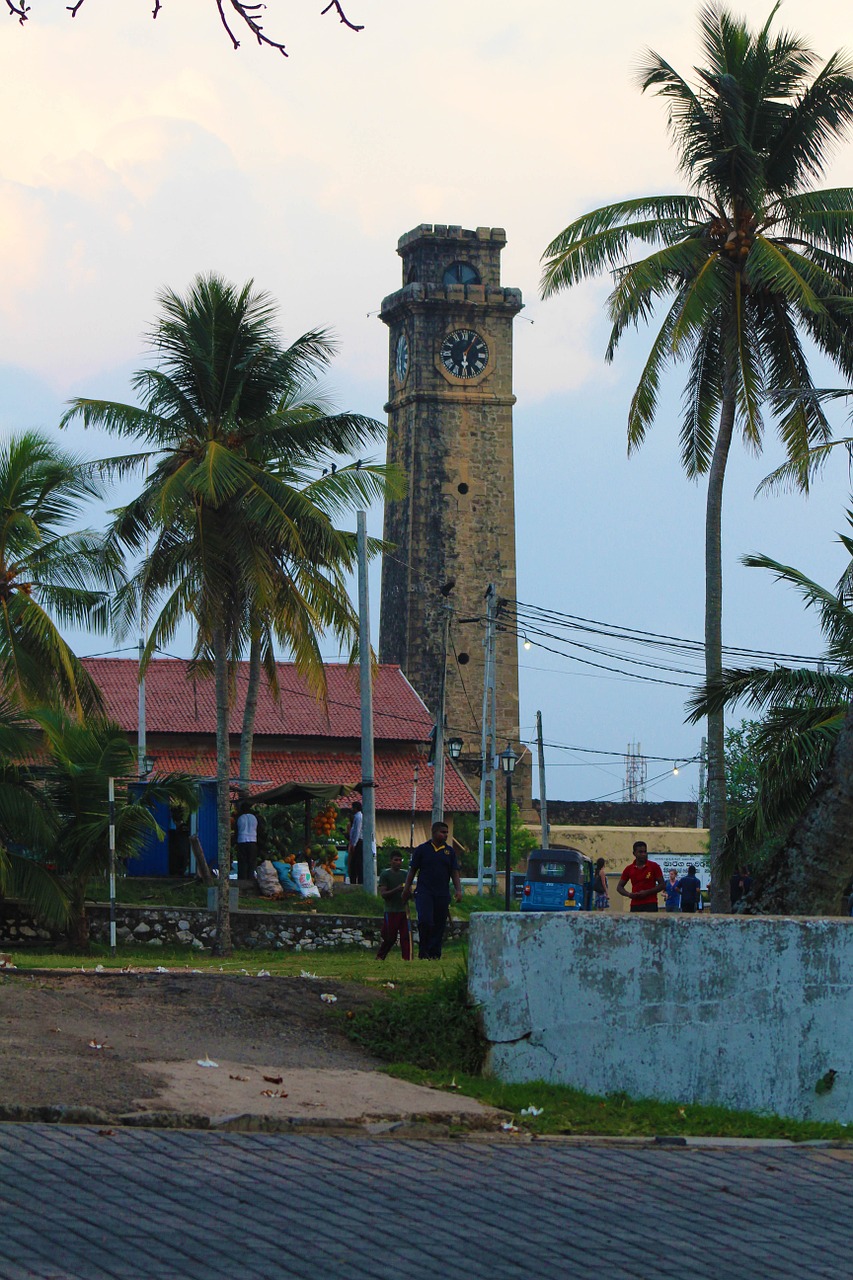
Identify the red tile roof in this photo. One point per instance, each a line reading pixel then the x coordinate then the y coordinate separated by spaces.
pixel 176 703
pixel 394 774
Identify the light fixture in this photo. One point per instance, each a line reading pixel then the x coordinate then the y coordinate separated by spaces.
pixel 148 763
pixel 508 760
pixel 675 769
pixel 454 746
pixel 526 643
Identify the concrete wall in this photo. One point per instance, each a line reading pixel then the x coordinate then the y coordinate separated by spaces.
pixel 745 1012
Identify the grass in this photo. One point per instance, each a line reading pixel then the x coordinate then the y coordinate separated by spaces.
pixel 570 1111
pixel 350 964
pixel 350 900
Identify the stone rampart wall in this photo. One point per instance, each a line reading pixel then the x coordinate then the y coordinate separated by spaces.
pixel 196 928
pixel 746 1012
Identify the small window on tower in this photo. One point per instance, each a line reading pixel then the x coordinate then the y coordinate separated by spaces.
pixel 461 273
pixel 412 277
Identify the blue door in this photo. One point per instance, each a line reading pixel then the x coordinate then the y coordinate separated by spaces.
pixel 153 856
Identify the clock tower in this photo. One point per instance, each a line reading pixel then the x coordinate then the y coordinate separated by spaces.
pixel 450 430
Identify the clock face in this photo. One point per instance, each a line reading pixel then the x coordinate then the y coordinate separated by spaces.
pixel 401 358
pixel 464 353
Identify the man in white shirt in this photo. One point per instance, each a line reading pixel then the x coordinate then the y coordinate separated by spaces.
pixel 355 845
pixel 247 842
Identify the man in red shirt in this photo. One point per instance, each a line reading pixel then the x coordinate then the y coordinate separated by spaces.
pixel 646 880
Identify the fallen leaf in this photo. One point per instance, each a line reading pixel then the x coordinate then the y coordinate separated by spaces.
pixel 273 1093
pixel 238 1077
pixel 350 1013
pixel 106 1133
pixel 274 1079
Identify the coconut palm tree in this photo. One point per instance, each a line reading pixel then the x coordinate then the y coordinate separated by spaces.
pixel 49 574
pixel 249 553
pixel 744 266
pixel 78 761
pixel 803 716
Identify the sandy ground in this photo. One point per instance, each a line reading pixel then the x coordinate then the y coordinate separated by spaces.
pixel 132 1042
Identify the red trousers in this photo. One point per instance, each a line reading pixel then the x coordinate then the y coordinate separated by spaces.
pixel 395 922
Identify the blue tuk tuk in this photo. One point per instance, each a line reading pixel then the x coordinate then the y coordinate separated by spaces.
pixel 557 880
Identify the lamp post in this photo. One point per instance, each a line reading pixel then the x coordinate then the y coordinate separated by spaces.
pixel 508 760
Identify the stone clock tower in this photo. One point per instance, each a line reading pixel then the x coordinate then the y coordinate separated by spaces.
pixel 450 429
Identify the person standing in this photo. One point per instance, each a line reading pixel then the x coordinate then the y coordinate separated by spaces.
pixel 247 842
pixel 691 891
pixel 601 900
pixel 355 845
pixel 434 863
pixel 673 892
pixel 396 921
pixel 645 878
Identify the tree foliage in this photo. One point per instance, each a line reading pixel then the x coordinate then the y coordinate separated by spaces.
pixel 742 273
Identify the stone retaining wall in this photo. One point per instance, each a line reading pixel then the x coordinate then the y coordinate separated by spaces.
pixel 750 1012
pixel 196 928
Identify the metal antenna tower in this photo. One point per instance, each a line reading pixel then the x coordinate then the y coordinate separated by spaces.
pixel 635 774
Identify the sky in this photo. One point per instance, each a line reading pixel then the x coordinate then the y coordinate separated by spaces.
pixel 138 153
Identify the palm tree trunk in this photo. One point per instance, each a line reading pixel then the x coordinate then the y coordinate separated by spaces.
pixel 249 710
pixel 809 874
pixel 223 810
pixel 714 646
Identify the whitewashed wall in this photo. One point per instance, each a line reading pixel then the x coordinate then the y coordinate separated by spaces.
pixel 746 1012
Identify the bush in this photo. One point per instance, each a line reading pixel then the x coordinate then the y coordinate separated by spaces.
pixel 435 1029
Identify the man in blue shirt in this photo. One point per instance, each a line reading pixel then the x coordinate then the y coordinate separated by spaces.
pixel 434 863
pixel 691 891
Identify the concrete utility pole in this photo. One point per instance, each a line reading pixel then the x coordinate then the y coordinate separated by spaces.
pixel 543 799
pixel 438 775
pixel 700 807
pixel 140 737
pixel 488 749
pixel 368 780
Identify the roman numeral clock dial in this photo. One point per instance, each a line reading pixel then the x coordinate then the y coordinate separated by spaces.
pixel 464 353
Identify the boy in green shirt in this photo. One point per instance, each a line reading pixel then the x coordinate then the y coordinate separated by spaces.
pixel 396 920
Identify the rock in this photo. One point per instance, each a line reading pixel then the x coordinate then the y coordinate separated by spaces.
pixel 184 925
pixel 155 942
pixel 184 936
pixel 141 930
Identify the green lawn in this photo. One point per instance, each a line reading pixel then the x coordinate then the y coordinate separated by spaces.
pixel 568 1111
pixel 350 964
pixel 348 900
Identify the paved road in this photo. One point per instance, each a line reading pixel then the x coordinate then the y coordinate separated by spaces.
pixel 149 1205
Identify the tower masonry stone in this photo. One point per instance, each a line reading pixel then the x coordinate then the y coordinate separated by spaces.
pixel 449 408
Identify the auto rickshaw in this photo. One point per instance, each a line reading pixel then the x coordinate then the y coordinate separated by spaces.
pixel 557 880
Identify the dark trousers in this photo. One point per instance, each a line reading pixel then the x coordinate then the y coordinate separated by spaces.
pixel 644 906
pixel 688 907
pixel 247 856
pixel 432 918
pixel 395 922
pixel 355 863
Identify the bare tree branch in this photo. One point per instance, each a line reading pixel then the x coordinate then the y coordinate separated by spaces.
pixel 246 12
pixel 336 6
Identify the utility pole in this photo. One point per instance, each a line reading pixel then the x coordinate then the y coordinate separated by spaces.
pixel 368 781
pixel 543 799
pixel 140 737
pixel 700 807
pixel 414 808
pixel 438 775
pixel 488 748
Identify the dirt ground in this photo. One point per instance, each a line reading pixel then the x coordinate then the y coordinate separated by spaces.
pixel 132 1042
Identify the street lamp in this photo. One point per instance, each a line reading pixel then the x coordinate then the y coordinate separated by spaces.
pixel 508 761
pixel 454 746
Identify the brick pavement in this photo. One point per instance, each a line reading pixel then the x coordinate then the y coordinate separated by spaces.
pixel 165 1205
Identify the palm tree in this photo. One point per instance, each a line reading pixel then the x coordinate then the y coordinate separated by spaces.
pixel 47 573
pixel 79 761
pixel 27 823
pixel 804 713
pixel 746 264
pixel 248 553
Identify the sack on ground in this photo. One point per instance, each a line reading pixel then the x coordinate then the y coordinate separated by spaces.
pixel 302 879
pixel 268 881
pixel 285 877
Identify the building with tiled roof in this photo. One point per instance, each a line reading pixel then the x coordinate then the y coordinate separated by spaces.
pixel 298 738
